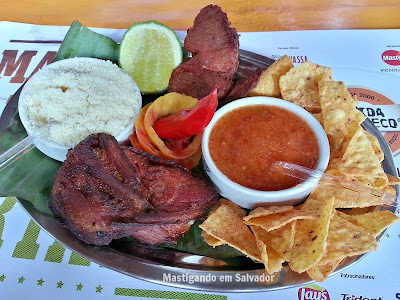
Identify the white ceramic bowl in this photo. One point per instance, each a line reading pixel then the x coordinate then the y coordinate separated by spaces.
pixel 55 150
pixel 249 198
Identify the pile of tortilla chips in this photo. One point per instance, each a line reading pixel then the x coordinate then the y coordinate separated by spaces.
pixel 333 223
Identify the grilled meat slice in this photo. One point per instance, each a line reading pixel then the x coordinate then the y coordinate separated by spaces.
pixel 215 49
pixel 88 198
pixel 211 30
pixel 170 187
pixel 161 233
pixel 104 191
pixel 224 60
pixel 198 82
pixel 242 87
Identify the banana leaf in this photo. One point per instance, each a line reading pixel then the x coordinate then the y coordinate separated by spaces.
pixel 31 178
pixel 194 243
pixel 80 41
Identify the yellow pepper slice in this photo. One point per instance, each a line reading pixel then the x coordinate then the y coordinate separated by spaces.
pixel 146 139
pixel 169 104
pixel 141 133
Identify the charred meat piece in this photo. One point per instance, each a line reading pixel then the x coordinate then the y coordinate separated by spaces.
pixel 243 87
pixel 170 187
pixel 215 49
pixel 160 233
pixel 198 82
pixel 104 191
pixel 211 30
pixel 224 60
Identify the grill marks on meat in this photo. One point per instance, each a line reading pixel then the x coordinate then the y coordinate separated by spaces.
pixel 104 191
pixel 215 49
pixel 169 187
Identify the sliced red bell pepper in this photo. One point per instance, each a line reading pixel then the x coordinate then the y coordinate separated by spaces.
pixel 188 122
pixel 169 104
pixel 186 151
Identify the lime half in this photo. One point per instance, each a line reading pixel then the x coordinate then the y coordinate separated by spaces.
pixel 149 52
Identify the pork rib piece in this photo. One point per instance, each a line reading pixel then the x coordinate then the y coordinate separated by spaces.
pixel 105 191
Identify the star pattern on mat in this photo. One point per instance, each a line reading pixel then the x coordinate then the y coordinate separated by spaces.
pixel 40 281
pixel 79 287
pixel 98 289
pixel 21 279
pixel 387 235
pixel 60 284
pixel 2 277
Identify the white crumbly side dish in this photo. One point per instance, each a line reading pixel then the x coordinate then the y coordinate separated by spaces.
pixel 81 97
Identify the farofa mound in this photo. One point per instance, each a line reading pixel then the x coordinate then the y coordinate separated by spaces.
pixel 81 97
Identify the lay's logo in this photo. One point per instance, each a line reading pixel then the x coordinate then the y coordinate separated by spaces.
pixel 391 57
pixel 313 292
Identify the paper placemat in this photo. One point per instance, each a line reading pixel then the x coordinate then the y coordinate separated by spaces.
pixel 34 265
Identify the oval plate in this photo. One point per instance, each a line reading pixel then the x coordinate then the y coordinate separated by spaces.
pixel 159 264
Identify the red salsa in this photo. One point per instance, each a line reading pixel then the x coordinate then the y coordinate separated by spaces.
pixel 245 142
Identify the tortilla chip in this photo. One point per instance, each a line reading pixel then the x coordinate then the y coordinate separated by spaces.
pixel 300 85
pixel 373 222
pixel 319 118
pixel 281 240
pixel 359 162
pixel 212 241
pixel 340 115
pixel 360 210
pixel 225 225
pixel 265 211
pixel 335 94
pixel 310 240
pixel 268 85
pixel 376 146
pixel 275 221
pixel 388 199
pixel 346 239
pixel 236 208
pixel 345 198
pixel 393 180
pixel 271 259
pixel 321 272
